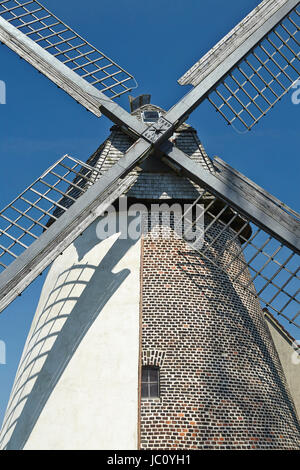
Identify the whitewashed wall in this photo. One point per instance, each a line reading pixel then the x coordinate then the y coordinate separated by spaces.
pixel 77 383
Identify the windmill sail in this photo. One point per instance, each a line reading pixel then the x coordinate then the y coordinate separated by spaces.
pixel 264 53
pixel 264 262
pixel 72 63
pixel 40 223
pixel 28 215
pixel 265 233
pixel 53 35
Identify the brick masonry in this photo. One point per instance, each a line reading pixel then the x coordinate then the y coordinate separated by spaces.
pixel 222 385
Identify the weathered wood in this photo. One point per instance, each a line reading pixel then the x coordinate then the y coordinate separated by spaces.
pixel 264 17
pixel 257 195
pixel 81 90
pixel 258 207
pixel 209 71
pixel 69 226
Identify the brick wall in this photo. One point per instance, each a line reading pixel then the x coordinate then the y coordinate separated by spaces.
pixel 222 385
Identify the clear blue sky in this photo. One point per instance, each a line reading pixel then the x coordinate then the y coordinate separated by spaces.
pixel 156 41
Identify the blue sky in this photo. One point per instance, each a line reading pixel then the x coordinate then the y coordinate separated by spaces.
pixel 156 41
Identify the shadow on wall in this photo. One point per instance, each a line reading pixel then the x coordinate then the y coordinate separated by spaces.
pixel 57 334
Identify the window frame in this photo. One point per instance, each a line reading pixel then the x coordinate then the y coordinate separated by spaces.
pixel 148 382
pixel 150 122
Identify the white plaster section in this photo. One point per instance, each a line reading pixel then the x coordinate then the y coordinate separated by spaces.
pixel 289 359
pixel 77 383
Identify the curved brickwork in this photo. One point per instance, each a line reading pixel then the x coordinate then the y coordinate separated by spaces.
pixel 221 382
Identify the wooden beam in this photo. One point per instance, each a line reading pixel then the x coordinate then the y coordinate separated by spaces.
pixel 21 272
pixel 81 90
pixel 247 198
pixel 263 18
pixel 214 67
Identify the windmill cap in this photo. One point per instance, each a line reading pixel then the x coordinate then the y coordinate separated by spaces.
pixel 138 102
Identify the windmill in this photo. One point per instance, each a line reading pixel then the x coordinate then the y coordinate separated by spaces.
pixel 237 399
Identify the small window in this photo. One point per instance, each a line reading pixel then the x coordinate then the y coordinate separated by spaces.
pixel 150 116
pixel 150 382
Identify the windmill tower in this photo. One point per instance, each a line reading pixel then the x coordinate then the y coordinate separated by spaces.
pixel 153 340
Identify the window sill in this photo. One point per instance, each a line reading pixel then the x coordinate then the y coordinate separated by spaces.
pixel 151 400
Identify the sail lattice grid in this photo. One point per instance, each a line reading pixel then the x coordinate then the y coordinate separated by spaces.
pixel 262 78
pixel 45 29
pixel 251 258
pixel 28 216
